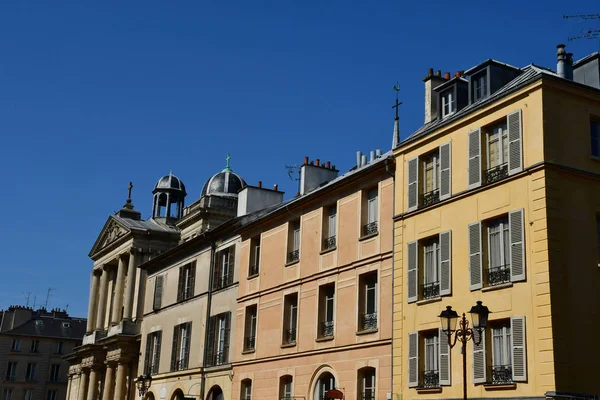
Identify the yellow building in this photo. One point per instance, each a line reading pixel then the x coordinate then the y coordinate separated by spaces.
pixel 497 200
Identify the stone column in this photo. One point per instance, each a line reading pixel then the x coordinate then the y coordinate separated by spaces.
pixel 130 289
pixel 92 305
pixel 92 392
pixel 118 300
pixel 69 382
pixel 101 316
pixel 83 379
pixel 109 382
pixel 120 393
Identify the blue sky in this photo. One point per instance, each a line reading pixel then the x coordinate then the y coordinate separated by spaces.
pixel 95 94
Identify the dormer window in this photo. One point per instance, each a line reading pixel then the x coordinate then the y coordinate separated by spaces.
pixel 448 103
pixel 480 86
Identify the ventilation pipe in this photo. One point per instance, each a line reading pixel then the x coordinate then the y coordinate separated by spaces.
pixel 371 156
pixel 358 158
pixel 561 56
pixel 363 160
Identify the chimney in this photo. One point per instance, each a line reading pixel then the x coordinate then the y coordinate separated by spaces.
pixel 328 164
pixel 378 153
pixel 432 97
pixel 363 160
pixel 358 158
pixel 447 76
pixel 371 156
pixel 259 184
pixel 561 58
pixel 312 176
pixel 569 67
pixel 254 198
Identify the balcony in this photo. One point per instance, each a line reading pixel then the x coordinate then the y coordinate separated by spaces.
pixel 501 375
pixel 370 229
pixel 430 198
pixel 329 243
pixel 253 270
pixel 293 255
pixel 368 321
pixel 249 343
pixel 498 275
pixel 496 173
pixel 431 379
pixel 180 365
pixel 289 336
pixel 430 290
pixel 327 329
pixel 218 358
pixel 368 395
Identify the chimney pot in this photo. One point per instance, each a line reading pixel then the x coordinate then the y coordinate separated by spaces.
pixel 305 160
pixel 430 72
pixel 275 187
pixel 371 156
pixel 317 162
pixel 447 76
pixel 259 184
pixel 312 163
pixel 328 164
pixel 457 74
pixel 438 73
pixel 333 167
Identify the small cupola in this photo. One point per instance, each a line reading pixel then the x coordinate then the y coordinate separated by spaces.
pixel 169 198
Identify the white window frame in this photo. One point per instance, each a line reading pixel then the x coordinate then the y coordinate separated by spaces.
pixel 288 387
pixel 370 285
pixel 35 344
pixel 247 389
pixel 372 198
pixel 16 345
pixel 332 220
pixel 501 130
pixel 221 336
pixel 59 347
pixel 503 225
pixel 224 265
pixel 434 160
pixel 431 342
pixel 154 357
pixel 323 386
pixel 296 234
pixel 480 85
pixel 330 306
pixel 28 395
pixel 54 372
pixel 448 101
pixel 7 394
pixel 30 371
pixel 365 386
pixel 505 333
pixel 11 370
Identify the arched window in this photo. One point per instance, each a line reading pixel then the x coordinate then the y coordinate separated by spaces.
pixel 325 383
pixel 246 390
pixel 178 395
pixel 366 383
pixel 286 383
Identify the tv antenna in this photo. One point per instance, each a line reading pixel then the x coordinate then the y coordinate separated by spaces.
pixel 294 174
pixel 586 33
pixel 28 296
pixel 48 297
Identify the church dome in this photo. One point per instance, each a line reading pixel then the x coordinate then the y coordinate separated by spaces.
pixel 224 183
pixel 169 182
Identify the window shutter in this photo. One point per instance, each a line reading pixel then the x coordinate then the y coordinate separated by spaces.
pixel 147 369
pixel 180 287
pixel 475 258
pixel 413 184
pixel 444 361
pixel 192 279
pixel 474 159
pixel 413 272
pixel 479 357
pixel 517 246
pixel 446 263
pixel 175 349
pixel 188 339
pixel 158 286
pixel 158 340
pixel 413 359
pixel 210 342
pixel 230 265
pixel 226 337
pixel 445 171
pixel 216 284
pixel 515 156
pixel 519 359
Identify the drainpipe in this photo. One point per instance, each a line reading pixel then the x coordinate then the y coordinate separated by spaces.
pixel 208 304
pixel 387 169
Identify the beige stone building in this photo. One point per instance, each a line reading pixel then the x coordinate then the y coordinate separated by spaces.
pixel 32 346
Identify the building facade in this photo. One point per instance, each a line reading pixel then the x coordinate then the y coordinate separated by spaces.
pixel 32 347
pixel 497 200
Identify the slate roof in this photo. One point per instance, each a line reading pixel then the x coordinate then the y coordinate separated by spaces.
pixel 51 328
pixel 149 225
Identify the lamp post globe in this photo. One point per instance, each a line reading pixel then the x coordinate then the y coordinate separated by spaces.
pixel 448 318
pixel 479 316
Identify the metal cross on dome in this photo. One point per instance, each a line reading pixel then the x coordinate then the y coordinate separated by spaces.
pixel 396 87
pixel 227 166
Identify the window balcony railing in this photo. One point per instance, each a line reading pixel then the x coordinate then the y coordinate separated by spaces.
pixel 329 243
pixel 368 321
pixel 253 270
pixel 294 255
pixel 501 374
pixel 289 336
pixel 368 395
pixel 327 329
pixel 180 365
pixel 430 290
pixel 496 173
pixel 218 357
pixel 371 228
pixel 431 379
pixel 498 275
pixel 249 342
pixel 430 198
pixel 220 282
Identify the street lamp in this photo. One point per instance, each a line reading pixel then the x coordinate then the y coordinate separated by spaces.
pixel 449 318
pixel 143 384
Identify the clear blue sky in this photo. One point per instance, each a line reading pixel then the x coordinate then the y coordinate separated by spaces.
pixel 95 94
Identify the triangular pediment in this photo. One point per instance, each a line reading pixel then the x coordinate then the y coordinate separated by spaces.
pixel 112 232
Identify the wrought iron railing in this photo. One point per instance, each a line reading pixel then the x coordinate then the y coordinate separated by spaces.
pixel 368 395
pixel 430 198
pixel 294 255
pixel 218 358
pixel 249 342
pixel 368 321
pixel 327 329
pixel 289 336
pixel 221 282
pixel 253 270
pixel 501 374
pixel 498 275
pixel 430 290
pixel 180 365
pixel 496 173
pixel 431 379
pixel 370 228
pixel 329 243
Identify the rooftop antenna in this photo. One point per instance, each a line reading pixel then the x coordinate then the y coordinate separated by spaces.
pixel 294 174
pixel 48 297
pixel 586 33
pixel 28 296
pixel 67 308
pixel 34 298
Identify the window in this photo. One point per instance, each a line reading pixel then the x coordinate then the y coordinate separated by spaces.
pixel 8 394
pixel 496 152
pixel 35 344
pixel 294 241
pixel 152 357
pixel 254 256
pixel 429 177
pixel 286 383
pixel 595 138
pixel 325 383
pixel 28 394
pixel 223 272
pixel 180 353
pixel 448 103
pixel 480 87
pixel 16 345
pixel 54 372
pixel 158 289
pixel 290 318
pixel 250 328
pixel 326 311
pixel 217 352
pixel 501 353
pixel 329 227
pixel 498 270
pixel 370 225
pixel 428 359
pixel 52 394
pixel 246 392
pixel 11 371
pixel 30 371
pixel 59 348
pixel 187 279
pixel 431 375
pixel 366 382
pixel 430 267
pixel 367 319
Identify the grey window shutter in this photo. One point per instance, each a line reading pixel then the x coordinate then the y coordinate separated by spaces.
pixel 479 358
pixel 226 337
pixel 158 341
pixel 175 349
pixel 517 245
pixel 475 256
pixel 413 272
pixel 147 362
pixel 211 344
pixel 231 265
pixel 445 171
pixel 158 286
pixel 188 339
pixel 446 263
pixel 413 359
pixel 515 143
pixel 217 284
pixel 192 283
pixel 413 184
pixel 445 366
pixel 180 287
pixel 519 359
pixel 474 159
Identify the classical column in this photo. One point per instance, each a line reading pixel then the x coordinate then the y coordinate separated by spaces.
pixel 69 382
pixel 83 379
pixel 109 382
pixel 100 317
pixel 118 300
pixel 92 392
pixel 92 305
pixel 130 289
pixel 120 386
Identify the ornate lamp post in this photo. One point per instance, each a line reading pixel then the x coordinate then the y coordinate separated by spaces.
pixel 143 384
pixel 449 318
